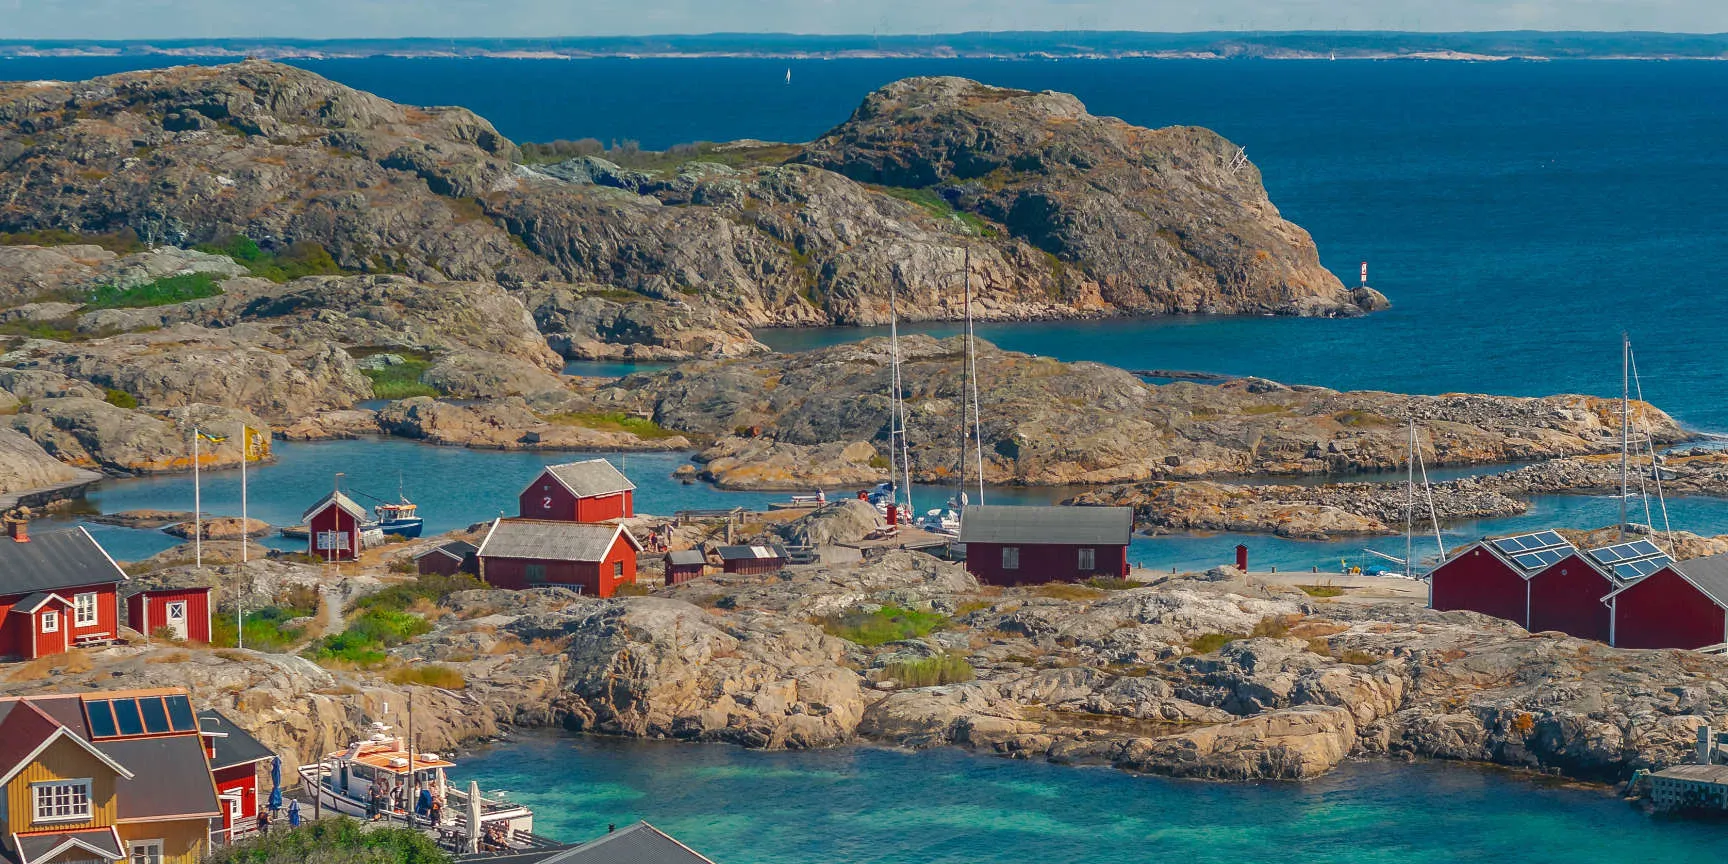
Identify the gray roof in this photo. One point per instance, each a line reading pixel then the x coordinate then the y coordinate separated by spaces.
pixel 170 777
pixel 457 549
pixel 551 541
pixel 341 500
pixel 40 847
pixel 591 477
pixel 53 560
pixel 236 746
pixel 640 843
pixel 687 557
pixel 1710 574
pixel 750 553
pixel 1079 526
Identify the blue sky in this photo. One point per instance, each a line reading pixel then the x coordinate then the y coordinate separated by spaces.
pixel 160 19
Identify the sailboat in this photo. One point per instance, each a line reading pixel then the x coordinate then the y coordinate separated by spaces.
pixel 946 520
pixel 788 75
pixel 1406 566
pixel 886 497
pixel 1629 380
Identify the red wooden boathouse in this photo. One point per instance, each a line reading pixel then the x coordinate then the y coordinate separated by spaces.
pixel 58 590
pixel 1014 545
pixel 534 553
pixel 1679 605
pixel 1493 576
pixel 333 528
pixel 589 491
pixel 448 559
pixel 683 565
pixel 183 611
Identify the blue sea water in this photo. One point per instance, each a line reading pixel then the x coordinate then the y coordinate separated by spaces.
pixel 876 806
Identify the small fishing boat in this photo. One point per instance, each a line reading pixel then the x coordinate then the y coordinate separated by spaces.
pixel 344 782
pixel 397 518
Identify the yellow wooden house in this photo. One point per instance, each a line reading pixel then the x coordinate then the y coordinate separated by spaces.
pixel 104 777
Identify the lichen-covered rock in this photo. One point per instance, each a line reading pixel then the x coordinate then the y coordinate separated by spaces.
pixel 91 433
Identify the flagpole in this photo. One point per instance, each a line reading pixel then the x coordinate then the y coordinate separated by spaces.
pixel 245 530
pixel 197 507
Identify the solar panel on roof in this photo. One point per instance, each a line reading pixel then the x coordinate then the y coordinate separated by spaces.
pixel 1510 544
pixel 1630 570
pixel 1644 547
pixel 155 716
pixel 1548 538
pixel 101 719
pixel 126 717
pixel 1622 553
pixel 180 714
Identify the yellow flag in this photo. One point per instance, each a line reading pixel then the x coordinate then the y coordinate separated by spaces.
pixel 257 444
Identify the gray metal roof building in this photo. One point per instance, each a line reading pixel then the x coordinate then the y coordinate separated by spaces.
pixel 53 560
pixel 544 540
pixel 640 843
pixel 232 744
pixel 591 477
pixel 1081 526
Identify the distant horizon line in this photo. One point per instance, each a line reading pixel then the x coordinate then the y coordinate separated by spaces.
pixel 784 34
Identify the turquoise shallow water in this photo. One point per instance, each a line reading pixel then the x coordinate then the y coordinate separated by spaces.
pixel 875 806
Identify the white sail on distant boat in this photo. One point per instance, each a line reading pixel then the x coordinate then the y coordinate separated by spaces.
pixel 788 75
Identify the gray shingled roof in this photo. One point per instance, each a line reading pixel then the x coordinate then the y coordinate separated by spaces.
pixel 640 843
pixel 687 557
pixel 52 560
pixel 39 847
pixel 591 477
pixel 998 523
pixel 1710 574
pixel 169 777
pixel 551 541
pixel 457 549
pixel 235 746
pixel 341 500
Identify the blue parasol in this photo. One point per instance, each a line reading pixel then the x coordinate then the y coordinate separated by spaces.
pixel 294 814
pixel 275 783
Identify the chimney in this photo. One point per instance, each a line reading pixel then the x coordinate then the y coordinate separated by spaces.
pixel 18 527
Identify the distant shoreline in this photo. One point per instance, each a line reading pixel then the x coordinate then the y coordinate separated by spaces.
pixel 1030 46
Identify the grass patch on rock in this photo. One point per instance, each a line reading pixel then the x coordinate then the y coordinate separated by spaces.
pixel 163 292
pixel 333 841
pixel 888 624
pixel 305 258
pixel 1322 590
pixel 122 242
pixel 613 421
pixel 401 381
pixel 1068 591
pixel 930 672
pixel 265 628
pixel 429 675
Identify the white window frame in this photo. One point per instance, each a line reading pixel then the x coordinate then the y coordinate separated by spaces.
pixel 51 787
pixel 85 609
pixel 1088 558
pixel 1010 557
pixel 144 852
pixel 51 621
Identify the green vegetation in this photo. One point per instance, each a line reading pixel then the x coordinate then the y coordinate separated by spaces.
pixel 400 381
pixel 122 242
pixel 614 421
pixel 1106 583
pixel 162 292
pixel 304 258
pixel 58 330
pixel 120 398
pixel 629 154
pixel 333 841
pixel 383 620
pixel 263 628
pixel 931 200
pixel 888 624
pixel 1272 626
pixel 1354 417
pixel 430 675
pixel 1206 643
pixel 930 672
pixel 1321 590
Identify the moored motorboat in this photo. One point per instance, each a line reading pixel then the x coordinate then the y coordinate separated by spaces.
pixel 399 518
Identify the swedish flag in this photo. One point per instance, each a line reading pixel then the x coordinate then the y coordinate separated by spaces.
pixel 214 439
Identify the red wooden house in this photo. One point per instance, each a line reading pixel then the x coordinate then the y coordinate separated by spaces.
pixel 1015 545
pixel 333 527
pixel 589 491
pixel 234 759
pixel 58 590
pixel 1493 576
pixel 1682 605
pixel 683 565
pixel 448 559
pixel 185 612
pixel 534 553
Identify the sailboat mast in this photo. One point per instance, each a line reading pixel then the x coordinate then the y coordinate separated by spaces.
pixel 972 370
pixel 965 385
pixel 897 422
pixel 1625 424
pixel 1410 507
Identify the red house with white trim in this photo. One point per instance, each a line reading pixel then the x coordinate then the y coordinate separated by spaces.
pixel 592 490
pixel 58 590
pixel 535 553
pixel 1022 545
pixel 1493 576
pixel 333 528
pixel 183 611
pixel 1682 605
pixel 234 760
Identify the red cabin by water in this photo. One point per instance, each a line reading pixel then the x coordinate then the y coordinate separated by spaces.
pixel 589 491
pixel 1493 576
pixel 1682 605
pixel 58 590
pixel 1012 545
pixel 183 612
pixel 534 553
pixel 1567 596
pixel 333 528
pixel 447 559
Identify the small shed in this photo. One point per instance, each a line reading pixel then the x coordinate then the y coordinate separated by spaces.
pixel 1018 545
pixel 534 553
pixel 752 559
pixel 183 611
pixel 448 559
pixel 593 490
pixel 1678 605
pixel 333 528
pixel 684 565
